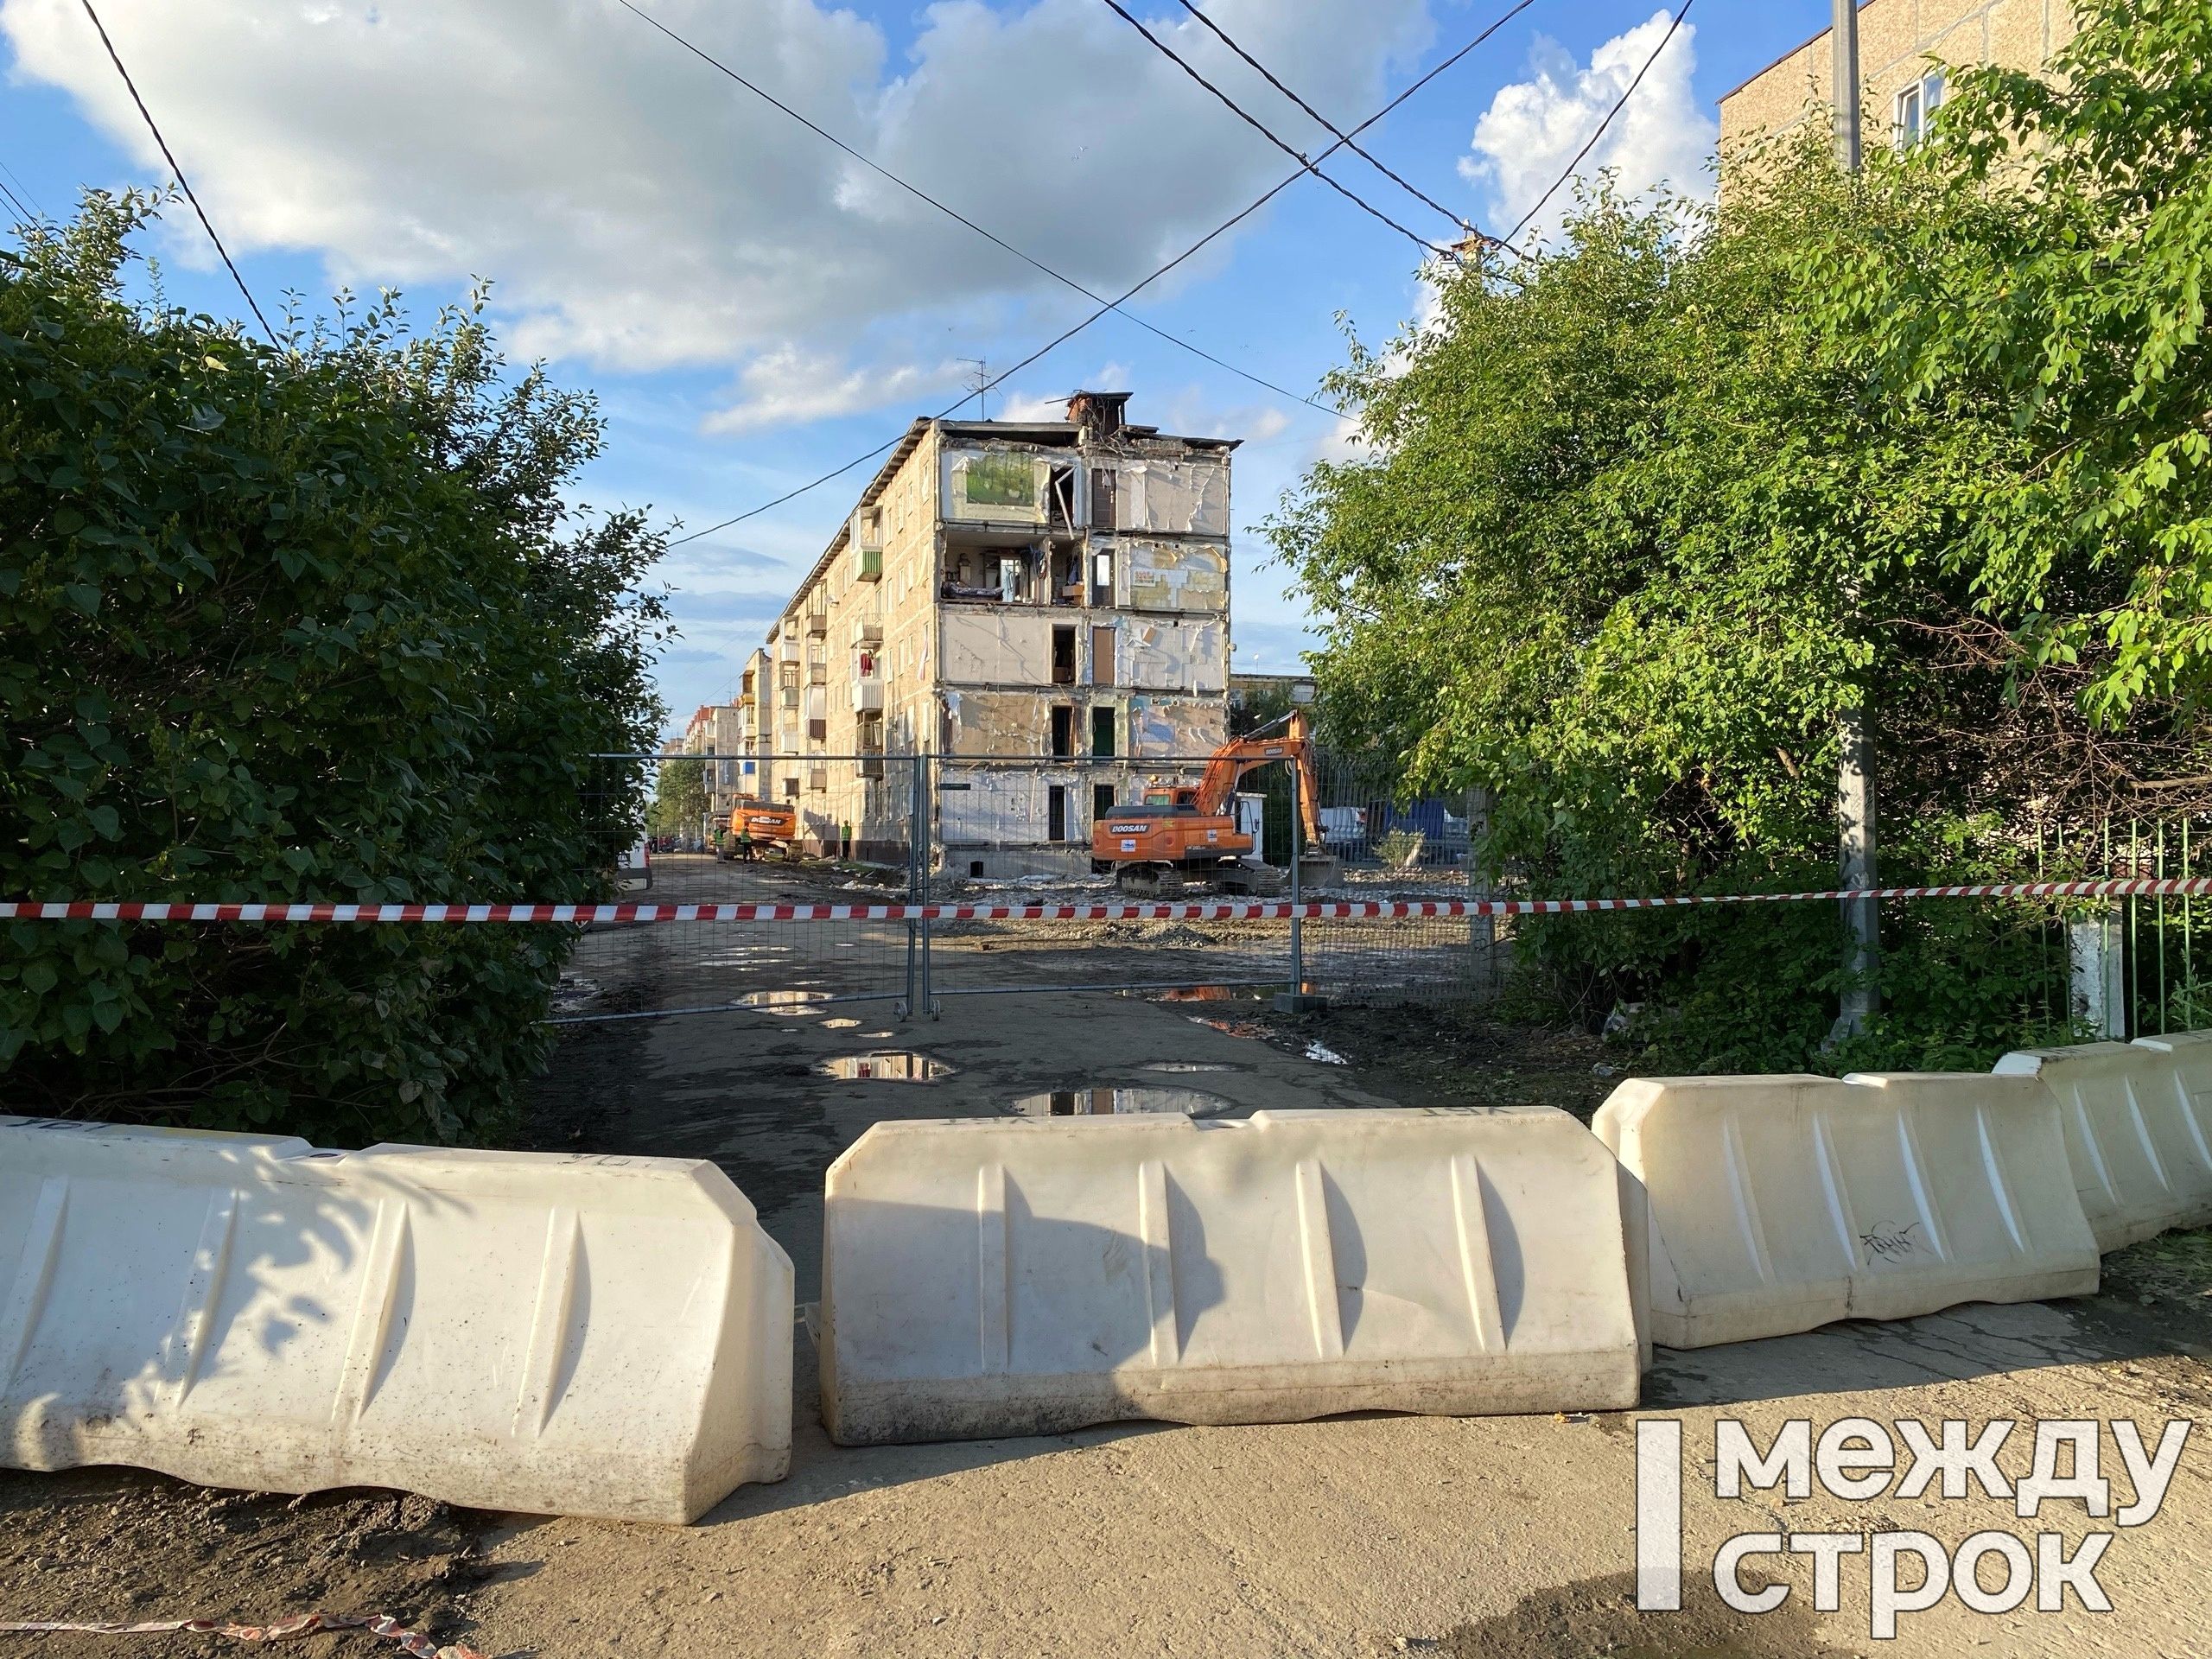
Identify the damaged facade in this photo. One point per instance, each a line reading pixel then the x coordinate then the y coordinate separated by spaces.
pixel 1053 593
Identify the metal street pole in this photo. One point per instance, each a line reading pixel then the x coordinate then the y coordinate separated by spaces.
pixel 911 1008
pixel 1855 750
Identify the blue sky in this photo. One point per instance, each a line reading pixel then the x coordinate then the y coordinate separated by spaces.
pixel 754 309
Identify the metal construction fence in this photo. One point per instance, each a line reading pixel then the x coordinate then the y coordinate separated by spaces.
pixel 999 833
pixel 855 828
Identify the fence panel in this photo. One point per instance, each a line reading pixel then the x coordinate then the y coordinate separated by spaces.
pixel 694 857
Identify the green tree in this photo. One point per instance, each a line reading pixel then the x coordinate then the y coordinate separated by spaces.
pixel 2062 276
pixel 1633 524
pixel 301 620
pixel 679 802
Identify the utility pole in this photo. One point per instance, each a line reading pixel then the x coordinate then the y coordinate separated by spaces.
pixel 1854 802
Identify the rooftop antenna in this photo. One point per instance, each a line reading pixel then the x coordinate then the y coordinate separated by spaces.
pixel 978 382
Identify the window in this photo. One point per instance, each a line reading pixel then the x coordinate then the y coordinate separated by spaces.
pixel 1101 800
pixel 1913 108
pixel 1101 496
pixel 1102 656
pixel 1055 813
pixel 1102 734
pixel 1064 656
pixel 1102 580
pixel 1063 730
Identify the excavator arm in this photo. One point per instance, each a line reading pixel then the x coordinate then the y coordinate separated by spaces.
pixel 1240 755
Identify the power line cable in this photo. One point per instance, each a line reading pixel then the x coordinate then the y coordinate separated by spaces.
pixel 21 191
pixel 919 194
pixel 1268 75
pixel 115 58
pixel 24 215
pixel 1226 225
pixel 1582 154
pixel 1260 127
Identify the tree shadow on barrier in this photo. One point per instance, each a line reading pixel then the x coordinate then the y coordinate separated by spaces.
pixel 1029 1334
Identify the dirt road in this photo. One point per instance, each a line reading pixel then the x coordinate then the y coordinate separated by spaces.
pixel 1356 1536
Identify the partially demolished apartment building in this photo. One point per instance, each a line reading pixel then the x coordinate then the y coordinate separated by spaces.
pixel 1043 606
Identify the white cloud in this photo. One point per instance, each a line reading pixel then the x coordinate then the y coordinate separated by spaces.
pixel 642 212
pixel 790 386
pixel 1533 128
pixel 1034 406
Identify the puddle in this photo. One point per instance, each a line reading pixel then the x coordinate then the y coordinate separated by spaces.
pixel 574 992
pixel 890 1065
pixel 872 1035
pixel 1187 1065
pixel 843 1024
pixel 783 1002
pixel 1099 1102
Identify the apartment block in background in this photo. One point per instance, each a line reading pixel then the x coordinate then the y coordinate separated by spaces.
pixel 719 729
pixel 1900 88
pixel 1051 592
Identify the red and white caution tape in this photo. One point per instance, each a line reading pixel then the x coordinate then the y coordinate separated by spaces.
pixel 409 1642
pixel 1181 911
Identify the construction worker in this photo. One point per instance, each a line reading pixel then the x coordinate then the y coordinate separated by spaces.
pixel 745 842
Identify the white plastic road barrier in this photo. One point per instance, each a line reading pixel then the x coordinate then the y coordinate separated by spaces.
pixel 606 1336
pixel 1779 1204
pixel 1027 1276
pixel 2136 1116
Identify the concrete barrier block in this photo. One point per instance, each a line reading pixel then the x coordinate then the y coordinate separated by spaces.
pixel 1780 1204
pixel 1029 1276
pixel 603 1336
pixel 2135 1116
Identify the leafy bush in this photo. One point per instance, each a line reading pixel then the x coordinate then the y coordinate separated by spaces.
pixel 292 621
pixel 1638 521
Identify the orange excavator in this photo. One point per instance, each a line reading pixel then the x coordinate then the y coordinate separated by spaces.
pixel 1181 832
pixel 767 825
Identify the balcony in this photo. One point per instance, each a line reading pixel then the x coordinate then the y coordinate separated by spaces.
pixel 818 779
pixel 790 697
pixel 867 564
pixel 871 766
pixel 867 630
pixel 867 696
pixel 787 645
pixel 817 623
pixel 817 672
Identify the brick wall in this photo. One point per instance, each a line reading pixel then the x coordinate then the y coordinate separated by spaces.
pixel 1896 39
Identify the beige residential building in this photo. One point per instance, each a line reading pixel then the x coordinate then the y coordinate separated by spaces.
pixel 1899 85
pixel 1043 606
pixel 718 729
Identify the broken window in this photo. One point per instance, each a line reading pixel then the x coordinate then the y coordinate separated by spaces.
pixel 1067 575
pixel 1102 733
pixel 1063 730
pixel 1102 497
pixel 1055 813
pixel 1102 578
pixel 1102 656
pixel 1064 656
pixel 1101 800
pixel 1059 497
